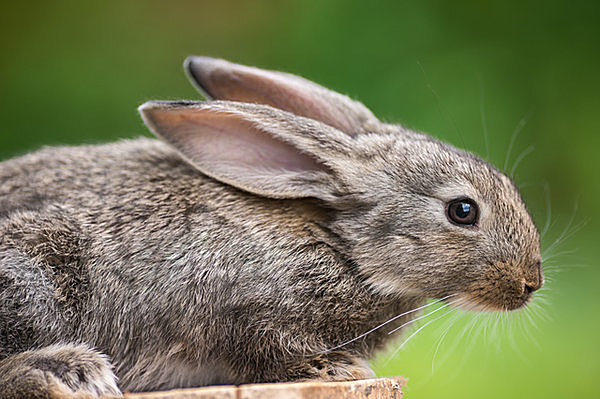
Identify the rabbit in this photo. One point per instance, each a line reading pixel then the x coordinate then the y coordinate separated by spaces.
pixel 266 230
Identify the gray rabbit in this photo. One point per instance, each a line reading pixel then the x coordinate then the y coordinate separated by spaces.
pixel 268 228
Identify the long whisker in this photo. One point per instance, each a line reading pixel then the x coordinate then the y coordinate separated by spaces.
pixel 548 210
pixel 442 337
pixel 557 254
pixel 565 233
pixel 520 158
pixel 514 136
pixel 418 330
pixel 563 238
pixel 385 323
pixel 511 336
pixel 423 316
pixel 467 331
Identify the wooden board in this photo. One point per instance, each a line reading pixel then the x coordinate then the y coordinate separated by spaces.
pixel 376 388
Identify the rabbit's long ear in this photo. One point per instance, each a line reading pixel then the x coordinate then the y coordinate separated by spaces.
pixel 253 147
pixel 222 80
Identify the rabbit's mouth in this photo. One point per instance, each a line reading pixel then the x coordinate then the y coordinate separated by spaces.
pixel 489 301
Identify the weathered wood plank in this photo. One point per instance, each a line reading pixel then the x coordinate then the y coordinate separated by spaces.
pixel 376 388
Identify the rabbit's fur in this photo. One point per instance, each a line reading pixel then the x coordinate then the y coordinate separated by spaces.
pixel 273 227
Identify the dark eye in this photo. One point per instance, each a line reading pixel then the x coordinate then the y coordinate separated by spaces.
pixel 462 211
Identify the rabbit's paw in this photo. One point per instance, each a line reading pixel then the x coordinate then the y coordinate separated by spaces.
pixel 57 371
pixel 334 366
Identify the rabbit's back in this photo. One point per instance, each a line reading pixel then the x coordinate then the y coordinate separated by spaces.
pixel 83 175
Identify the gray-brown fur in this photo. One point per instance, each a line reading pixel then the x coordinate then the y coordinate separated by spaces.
pixel 186 269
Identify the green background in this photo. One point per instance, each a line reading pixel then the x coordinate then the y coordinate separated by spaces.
pixel 74 72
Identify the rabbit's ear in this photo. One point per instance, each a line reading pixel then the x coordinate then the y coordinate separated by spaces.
pixel 253 147
pixel 222 80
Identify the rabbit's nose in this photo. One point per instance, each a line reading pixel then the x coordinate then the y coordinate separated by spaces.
pixel 536 281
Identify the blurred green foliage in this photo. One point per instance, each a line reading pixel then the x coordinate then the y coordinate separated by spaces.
pixel 74 72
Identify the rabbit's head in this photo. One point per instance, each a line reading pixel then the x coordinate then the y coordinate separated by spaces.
pixel 415 215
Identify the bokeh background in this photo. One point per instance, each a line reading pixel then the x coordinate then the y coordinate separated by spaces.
pixel 74 72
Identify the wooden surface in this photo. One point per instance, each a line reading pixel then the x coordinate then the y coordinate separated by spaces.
pixel 376 388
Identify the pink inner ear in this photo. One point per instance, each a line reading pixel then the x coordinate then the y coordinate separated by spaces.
pixel 284 93
pixel 228 81
pixel 228 139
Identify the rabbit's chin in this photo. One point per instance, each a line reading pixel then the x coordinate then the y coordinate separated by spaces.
pixel 489 303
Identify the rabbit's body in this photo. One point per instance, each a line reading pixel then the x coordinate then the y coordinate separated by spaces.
pixel 268 234
pixel 92 224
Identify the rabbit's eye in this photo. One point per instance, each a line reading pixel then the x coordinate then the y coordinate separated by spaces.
pixel 462 211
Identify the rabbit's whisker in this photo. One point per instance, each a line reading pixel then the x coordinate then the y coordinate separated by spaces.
pixel 445 305
pixel 522 156
pixel 567 232
pixel 548 210
pixel 411 336
pixel 513 138
pixel 557 254
pixel 442 337
pixel 385 323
